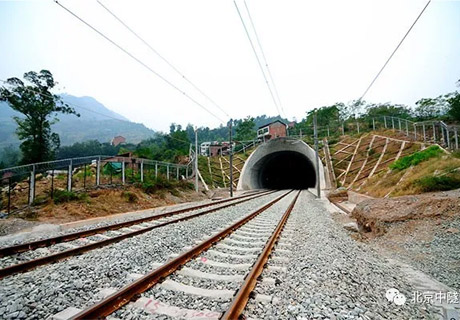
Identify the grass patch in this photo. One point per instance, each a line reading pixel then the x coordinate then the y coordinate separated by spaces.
pixel 439 183
pixel 130 196
pixel 416 158
pixel 62 196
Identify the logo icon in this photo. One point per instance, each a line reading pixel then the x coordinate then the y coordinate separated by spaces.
pixel 393 295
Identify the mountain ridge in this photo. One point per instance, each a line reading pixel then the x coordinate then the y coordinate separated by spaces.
pixel 96 122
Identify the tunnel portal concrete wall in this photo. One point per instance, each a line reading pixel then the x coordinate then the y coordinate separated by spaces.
pixel 250 175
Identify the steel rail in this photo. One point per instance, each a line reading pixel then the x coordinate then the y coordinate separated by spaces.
pixel 242 295
pixel 25 266
pixel 24 247
pixel 117 300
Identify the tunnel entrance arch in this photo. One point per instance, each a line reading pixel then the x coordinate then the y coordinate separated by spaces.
pixel 281 163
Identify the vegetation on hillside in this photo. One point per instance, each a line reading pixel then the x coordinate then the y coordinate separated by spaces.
pixel 39 106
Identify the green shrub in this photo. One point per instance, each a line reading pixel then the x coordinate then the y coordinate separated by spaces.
pixel 61 196
pixel 130 197
pixel 440 183
pixel 416 158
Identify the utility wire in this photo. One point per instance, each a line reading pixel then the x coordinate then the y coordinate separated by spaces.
pixel 139 61
pixel 393 53
pixel 80 107
pixel 163 58
pixel 257 57
pixel 264 58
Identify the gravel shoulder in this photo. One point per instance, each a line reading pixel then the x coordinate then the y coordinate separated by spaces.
pixel 331 276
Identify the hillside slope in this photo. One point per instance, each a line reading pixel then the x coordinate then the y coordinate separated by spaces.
pixel 102 124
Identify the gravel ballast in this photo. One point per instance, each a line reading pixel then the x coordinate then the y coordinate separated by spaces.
pixel 75 282
pixel 331 276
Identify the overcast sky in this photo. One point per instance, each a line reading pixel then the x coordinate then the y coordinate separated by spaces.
pixel 319 52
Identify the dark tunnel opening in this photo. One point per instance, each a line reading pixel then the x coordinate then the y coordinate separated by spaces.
pixel 286 170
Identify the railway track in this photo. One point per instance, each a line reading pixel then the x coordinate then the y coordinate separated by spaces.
pixel 240 251
pixel 61 247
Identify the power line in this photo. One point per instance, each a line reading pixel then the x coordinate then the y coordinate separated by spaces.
pixel 393 53
pixel 138 61
pixel 163 58
pixel 264 58
pixel 257 57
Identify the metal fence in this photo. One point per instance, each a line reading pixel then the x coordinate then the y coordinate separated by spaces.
pixel 433 131
pixel 24 185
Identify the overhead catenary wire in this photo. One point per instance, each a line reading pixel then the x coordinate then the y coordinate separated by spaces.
pixel 162 58
pixel 264 58
pixel 139 61
pixel 257 57
pixel 394 51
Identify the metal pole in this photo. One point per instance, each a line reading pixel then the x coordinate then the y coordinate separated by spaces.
pixel 142 170
pixel 230 153
pixel 407 128
pixel 69 177
pixel 84 178
pixel 328 131
pixel 52 184
pixel 196 159
pixel 443 134
pixel 424 132
pixel 357 126
pixel 373 124
pixel 318 187
pixel 393 122
pixel 434 132
pixel 385 120
pixel 156 170
pixel 177 173
pixel 9 195
pixel 343 128
pixel 456 138
pixel 98 171
pixel 448 138
pixel 123 171
pixel 415 131
pixel 399 121
pixel 167 171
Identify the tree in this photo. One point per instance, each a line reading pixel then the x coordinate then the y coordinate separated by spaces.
pixel 454 104
pixel 245 130
pixel 40 108
pixel 431 108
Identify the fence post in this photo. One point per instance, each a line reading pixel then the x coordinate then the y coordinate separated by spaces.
pixel 407 128
pixel 167 171
pixel 52 184
pixel 415 131
pixel 123 171
pixel 424 133
pixel 393 122
pixel 84 178
pixel 69 177
pixel 357 126
pixel 448 138
pixel 177 173
pixel 343 129
pixel 434 132
pixel 142 170
pixel 98 171
pixel 186 172
pixel 373 124
pixel 399 121
pixel 385 120
pixel 443 134
pixel 156 170
pixel 9 195
pixel 456 138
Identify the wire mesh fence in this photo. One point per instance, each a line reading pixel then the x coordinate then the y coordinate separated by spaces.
pixel 27 185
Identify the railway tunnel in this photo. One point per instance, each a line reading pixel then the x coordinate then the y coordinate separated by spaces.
pixel 281 163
